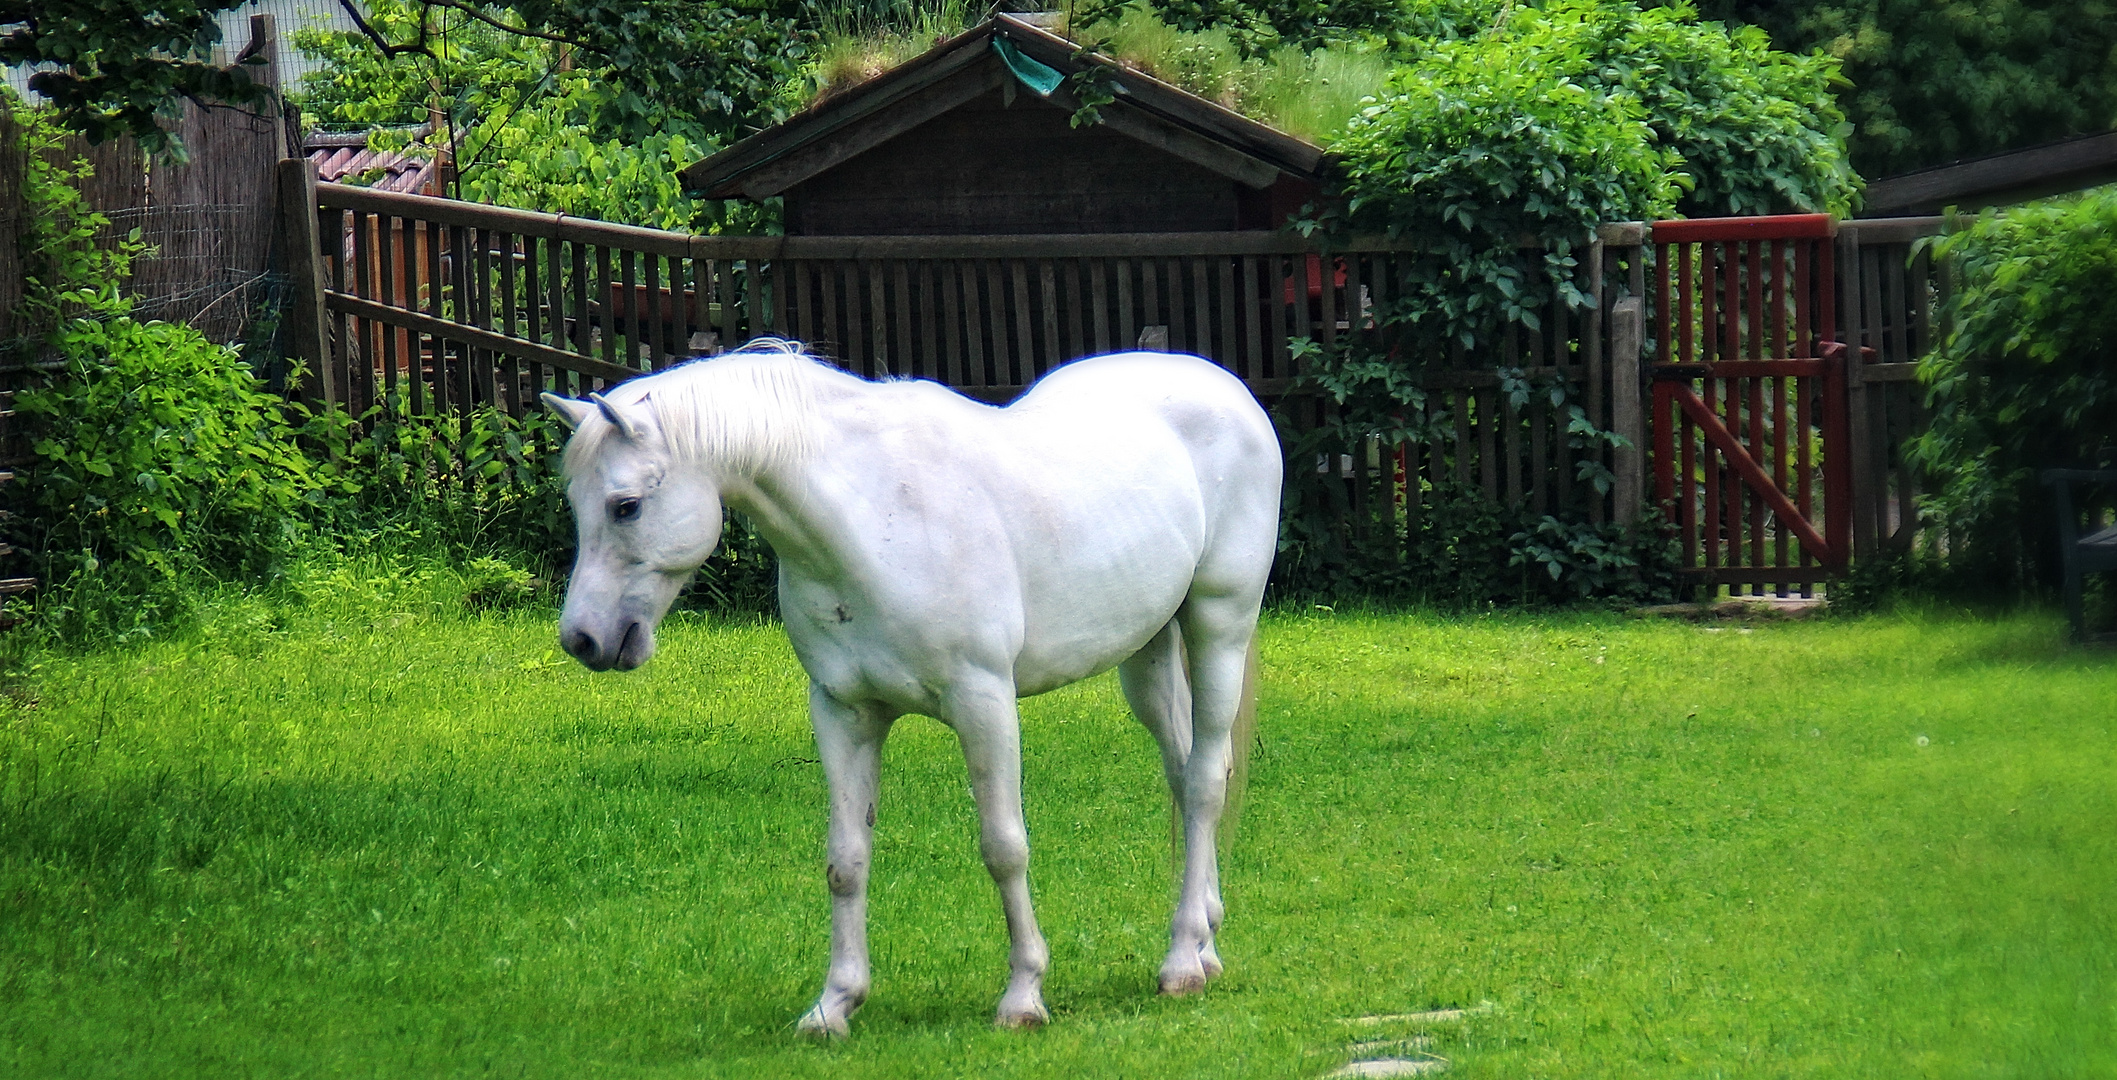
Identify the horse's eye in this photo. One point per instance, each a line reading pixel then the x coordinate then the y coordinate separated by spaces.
pixel 625 509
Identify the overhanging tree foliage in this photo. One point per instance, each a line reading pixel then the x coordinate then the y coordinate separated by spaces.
pixel 1932 82
pixel 123 68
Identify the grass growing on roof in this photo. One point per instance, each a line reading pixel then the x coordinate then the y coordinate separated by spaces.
pixel 380 837
pixel 1308 95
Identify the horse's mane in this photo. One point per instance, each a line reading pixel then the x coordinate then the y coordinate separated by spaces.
pixel 743 413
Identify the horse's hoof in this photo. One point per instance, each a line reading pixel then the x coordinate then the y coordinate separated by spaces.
pixel 1022 1019
pixel 1183 984
pixel 1210 961
pixel 822 1027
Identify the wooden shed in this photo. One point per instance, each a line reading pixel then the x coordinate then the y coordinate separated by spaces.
pixel 975 136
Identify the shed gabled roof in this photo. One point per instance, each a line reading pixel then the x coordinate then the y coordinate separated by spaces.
pixel 967 66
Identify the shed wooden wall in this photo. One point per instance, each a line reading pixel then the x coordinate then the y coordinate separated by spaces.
pixel 988 167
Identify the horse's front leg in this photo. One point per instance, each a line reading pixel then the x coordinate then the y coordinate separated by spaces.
pixel 989 728
pixel 849 742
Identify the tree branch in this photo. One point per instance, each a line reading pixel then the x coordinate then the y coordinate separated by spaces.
pixel 472 11
pixel 374 35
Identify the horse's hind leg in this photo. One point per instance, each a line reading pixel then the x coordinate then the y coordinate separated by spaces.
pixel 1160 695
pixel 1216 634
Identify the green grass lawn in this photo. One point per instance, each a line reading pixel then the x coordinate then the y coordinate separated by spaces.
pixel 413 843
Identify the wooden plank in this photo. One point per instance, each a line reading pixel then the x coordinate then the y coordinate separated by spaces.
pixel 952 331
pixel 538 262
pixel 629 313
pixel 1075 275
pixel 606 337
pixel 1229 350
pixel 981 373
pixel 364 339
pixel 1047 285
pixel 1099 302
pixel 904 362
pixel 468 215
pixel 806 302
pixel 1888 373
pixel 782 286
pixel 1127 327
pixel 823 153
pixel 389 290
pixel 347 303
pixel 583 330
pixel 1151 312
pixel 753 298
pixel 1252 307
pixel 1023 317
pixel 510 315
pixel 841 337
pixel 1897 230
pixel 1201 337
pixel 308 322
pixel 1731 451
pixel 724 285
pixel 2000 179
pixel 1705 230
pixel 930 363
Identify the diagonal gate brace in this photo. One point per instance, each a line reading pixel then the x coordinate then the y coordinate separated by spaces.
pixel 1753 474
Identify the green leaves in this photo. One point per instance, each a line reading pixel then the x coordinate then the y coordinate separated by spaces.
pixel 1565 116
pixel 1929 83
pixel 122 68
pixel 2025 377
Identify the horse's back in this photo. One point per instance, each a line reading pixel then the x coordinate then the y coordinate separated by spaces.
pixel 1219 426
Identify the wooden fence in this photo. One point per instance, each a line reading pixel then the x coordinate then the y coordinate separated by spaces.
pixel 429 303
pixel 420 304
pixel 1891 296
pixel 210 222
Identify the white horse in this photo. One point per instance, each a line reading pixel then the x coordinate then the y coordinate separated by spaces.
pixel 943 557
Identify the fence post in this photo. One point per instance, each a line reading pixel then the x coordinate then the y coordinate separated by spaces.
pixel 1866 480
pixel 308 325
pixel 1627 335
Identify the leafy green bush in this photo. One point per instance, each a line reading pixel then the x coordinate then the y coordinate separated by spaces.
pixel 159 457
pixel 1562 118
pixel 2024 379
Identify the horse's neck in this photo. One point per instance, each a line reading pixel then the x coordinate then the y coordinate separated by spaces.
pixel 798 507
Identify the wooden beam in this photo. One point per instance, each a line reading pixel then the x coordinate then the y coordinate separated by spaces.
pixel 2000 179
pixel 307 325
pixel 873 129
pixel 1129 120
pixel 720 174
pixel 478 337
pixel 1901 230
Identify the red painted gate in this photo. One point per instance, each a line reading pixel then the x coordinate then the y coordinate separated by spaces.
pixel 1751 456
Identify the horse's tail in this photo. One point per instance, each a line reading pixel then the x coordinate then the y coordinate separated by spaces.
pixel 1241 735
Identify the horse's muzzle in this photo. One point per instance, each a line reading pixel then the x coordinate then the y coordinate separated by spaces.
pixel 633 647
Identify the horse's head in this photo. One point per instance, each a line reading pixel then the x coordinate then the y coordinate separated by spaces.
pixel 645 525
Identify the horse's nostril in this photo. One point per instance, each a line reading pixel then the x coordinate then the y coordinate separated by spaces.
pixel 579 645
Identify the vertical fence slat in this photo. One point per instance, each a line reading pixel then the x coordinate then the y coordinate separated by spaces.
pixel 1024 367
pixel 1127 324
pixel 952 345
pixel 388 292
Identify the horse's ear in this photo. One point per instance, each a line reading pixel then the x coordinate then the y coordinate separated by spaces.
pixel 618 420
pixel 571 413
